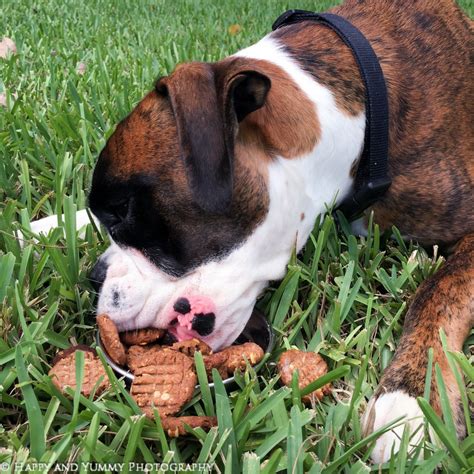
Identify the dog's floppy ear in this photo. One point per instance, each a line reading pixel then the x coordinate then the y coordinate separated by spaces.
pixel 246 92
pixel 207 111
pixel 208 161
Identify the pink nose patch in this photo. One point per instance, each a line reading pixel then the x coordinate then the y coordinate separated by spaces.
pixel 195 316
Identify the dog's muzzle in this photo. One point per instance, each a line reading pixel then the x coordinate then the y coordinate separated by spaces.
pixel 191 316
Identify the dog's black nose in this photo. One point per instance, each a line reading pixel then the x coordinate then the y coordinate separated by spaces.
pixel 97 274
pixel 182 306
pixel 203 323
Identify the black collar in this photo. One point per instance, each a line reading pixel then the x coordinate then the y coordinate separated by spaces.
pixel 372 179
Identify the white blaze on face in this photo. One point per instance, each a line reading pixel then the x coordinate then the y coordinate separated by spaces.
pixel 299 190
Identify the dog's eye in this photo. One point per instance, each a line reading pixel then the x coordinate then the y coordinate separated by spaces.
pixel 120 209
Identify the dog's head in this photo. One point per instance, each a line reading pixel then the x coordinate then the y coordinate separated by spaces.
pixel 191 189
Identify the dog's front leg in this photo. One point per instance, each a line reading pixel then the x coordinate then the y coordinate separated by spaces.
pixel 45 224
pixel 446 300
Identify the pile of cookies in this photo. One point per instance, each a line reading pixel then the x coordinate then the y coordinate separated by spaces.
pixel 165 374
pixel 132 348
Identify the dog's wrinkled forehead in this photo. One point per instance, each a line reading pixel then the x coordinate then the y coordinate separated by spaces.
pixel 145 142
pixel 168 182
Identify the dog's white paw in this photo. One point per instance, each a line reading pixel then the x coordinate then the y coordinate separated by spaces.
pixel 44 225
pixel 382 410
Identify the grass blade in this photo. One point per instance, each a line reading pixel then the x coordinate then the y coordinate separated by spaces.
pixel 35 418
pixel 447 438
pixel 135 433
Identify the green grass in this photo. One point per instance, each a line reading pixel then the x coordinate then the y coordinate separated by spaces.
pixel 344 296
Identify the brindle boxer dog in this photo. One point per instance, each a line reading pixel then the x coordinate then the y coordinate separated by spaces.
pixel 221 170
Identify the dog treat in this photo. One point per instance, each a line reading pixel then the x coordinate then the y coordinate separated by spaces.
pixel 191 346
pixel 233 358
pixel 63 372
pixel 136 354
pixel 216 361
pixel 70 350
pixel 110 338
pixel 141 337
pixel 310 366
pixel 164 378
pixel 236 356
pixel 175 426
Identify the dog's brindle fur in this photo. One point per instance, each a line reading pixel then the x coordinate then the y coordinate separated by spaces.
pixel 191 203
pixel 430 103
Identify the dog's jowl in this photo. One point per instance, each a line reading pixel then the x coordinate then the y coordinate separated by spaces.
pixel 219 173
